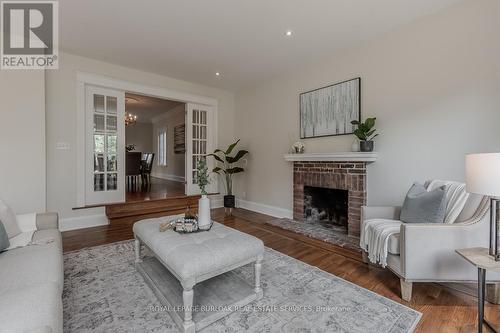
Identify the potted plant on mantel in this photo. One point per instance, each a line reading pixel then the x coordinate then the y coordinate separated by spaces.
pixel 365 133
pixel 202 180
pixel 227 169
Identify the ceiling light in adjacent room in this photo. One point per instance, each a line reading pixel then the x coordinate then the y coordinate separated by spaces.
pixel 130 119
pixel 217 74
pixel 288 33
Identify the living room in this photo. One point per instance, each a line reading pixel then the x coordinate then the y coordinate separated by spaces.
pixel 341 154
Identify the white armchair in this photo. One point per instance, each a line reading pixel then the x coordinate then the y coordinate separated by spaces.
pixel 425 252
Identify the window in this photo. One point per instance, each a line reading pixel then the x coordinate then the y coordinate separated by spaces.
pixel 162 147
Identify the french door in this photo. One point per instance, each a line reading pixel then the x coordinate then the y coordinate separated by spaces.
pixel 105 145
pixel 199 142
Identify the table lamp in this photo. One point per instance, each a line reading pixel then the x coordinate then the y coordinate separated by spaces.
pixel 482 172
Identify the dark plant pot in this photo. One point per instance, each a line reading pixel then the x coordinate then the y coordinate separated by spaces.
pixel 229 201
pixel 366 146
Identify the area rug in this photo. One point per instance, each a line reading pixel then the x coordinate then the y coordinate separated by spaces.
pixel 104 293
pixel 319 230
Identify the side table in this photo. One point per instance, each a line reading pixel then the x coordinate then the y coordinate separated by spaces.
pixel 480 258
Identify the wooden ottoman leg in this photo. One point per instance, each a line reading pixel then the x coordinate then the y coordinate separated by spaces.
pixel 137 248
pixel 187 299
pixel 258 269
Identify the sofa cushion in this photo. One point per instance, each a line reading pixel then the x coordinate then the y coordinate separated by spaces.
pixel 4 238
pixel 393 244
pixel 31 265
pixel 21 240
pixel 421 206
pixel 31 308
pixel 9 220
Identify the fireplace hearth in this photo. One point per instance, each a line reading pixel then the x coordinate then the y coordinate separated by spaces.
pixel 326 205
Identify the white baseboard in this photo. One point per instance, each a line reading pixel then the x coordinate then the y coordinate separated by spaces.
pixel 81 222
pixel 264 209
pixel 167 176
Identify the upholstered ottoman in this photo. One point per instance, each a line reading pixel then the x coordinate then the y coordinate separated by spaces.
pixel 198 266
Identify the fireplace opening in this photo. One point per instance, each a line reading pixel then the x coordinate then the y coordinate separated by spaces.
pixel 326 205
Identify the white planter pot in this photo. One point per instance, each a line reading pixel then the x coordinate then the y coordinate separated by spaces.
pixel 204 212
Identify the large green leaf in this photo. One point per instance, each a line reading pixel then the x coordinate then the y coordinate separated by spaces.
pixel 216 157
pixel 234 170
pixel 231 147
pixel 370 133
pixel 360 134
pixel 370 122
pixel 236 157
pixel 218 170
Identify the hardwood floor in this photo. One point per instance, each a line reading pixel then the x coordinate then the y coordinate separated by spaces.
pixel 444 309
pixel 158 189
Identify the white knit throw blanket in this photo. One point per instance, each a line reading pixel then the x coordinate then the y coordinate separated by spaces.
pixel 375 233
pixel 375 237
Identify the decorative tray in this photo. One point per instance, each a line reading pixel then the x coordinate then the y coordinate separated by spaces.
pixel 185 225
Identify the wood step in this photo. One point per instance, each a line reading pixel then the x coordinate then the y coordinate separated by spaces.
pixel 135 211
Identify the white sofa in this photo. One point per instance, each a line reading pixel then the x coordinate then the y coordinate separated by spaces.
pixel 31 277
pixel 425 252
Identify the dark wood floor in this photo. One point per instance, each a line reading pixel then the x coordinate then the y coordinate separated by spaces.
pixel 444 310
pixel 157 189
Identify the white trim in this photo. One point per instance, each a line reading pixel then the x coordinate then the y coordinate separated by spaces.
pixel 167 176
pixel 333 157
pixel 264 209
pixel 84 78
pixel 73 223
pixel 109 82
pixel 80 144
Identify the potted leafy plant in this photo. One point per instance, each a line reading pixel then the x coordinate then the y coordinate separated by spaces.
pixel 227 169
pixel 202 180
pixel 365 133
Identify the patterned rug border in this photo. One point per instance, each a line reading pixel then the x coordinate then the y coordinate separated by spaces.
pixel 412 328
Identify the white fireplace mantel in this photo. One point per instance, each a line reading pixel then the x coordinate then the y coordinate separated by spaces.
pixel 333 157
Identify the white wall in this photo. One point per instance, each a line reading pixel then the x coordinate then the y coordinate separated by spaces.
pixel 22 140
pixel 433 86
pixel 61 120
pixel 175 168
pixel 140 135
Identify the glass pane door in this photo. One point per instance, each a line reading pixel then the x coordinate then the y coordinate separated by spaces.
pixel 199 142
pixel 105 138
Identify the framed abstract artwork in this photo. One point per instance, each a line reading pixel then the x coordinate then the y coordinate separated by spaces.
pixel 329 110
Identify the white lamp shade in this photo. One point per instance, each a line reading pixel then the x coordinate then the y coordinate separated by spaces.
pixel 482 172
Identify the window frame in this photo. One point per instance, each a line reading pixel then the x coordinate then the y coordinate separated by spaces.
pixel 162 150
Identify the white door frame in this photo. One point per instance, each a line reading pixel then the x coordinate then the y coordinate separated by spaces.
pixel 191 187
pixel 83 79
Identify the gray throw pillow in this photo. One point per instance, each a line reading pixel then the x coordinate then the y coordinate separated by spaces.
pixel 9 220
pixel 421 206
pixel 4 239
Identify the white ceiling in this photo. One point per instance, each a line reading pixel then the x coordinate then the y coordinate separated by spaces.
pixel 146 108
pixel 243 40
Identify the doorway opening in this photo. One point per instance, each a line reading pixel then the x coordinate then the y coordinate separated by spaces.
pixel 155 143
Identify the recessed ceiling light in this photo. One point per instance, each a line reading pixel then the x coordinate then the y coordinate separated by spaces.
pixel 217 74
pixel 288 33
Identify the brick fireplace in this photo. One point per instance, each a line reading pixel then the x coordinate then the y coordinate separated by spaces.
pixel 341 175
